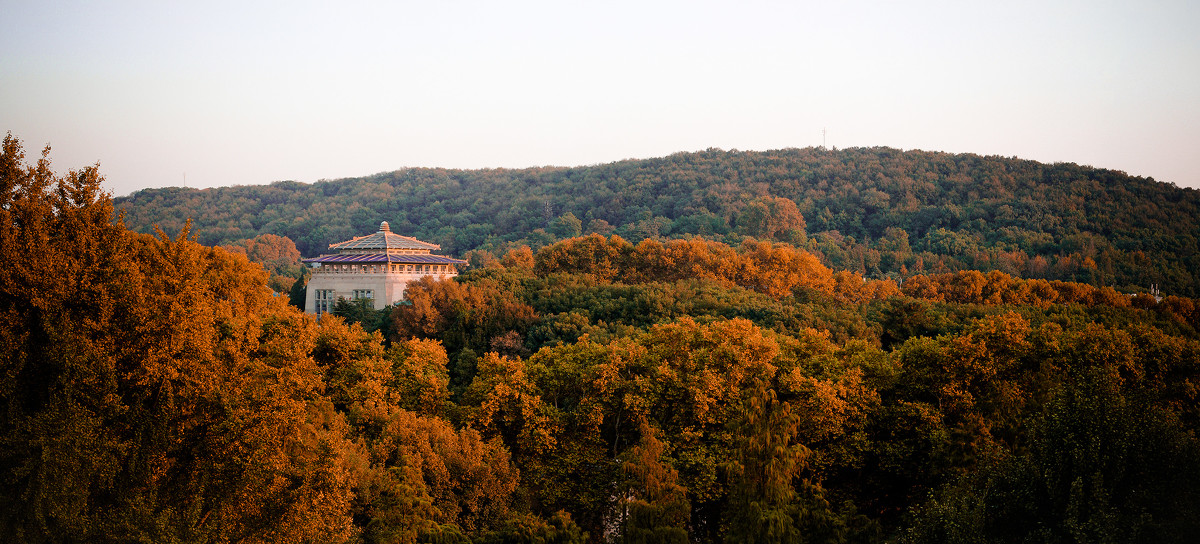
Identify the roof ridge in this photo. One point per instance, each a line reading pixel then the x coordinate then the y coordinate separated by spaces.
pixel 352 239
pixel 383 239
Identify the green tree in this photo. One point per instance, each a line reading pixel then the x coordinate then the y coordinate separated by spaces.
pixel 567 226
pixel 657 509
pixel 1101 468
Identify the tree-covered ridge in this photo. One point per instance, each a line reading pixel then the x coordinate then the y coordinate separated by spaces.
pixel 875 211
pixel 155 390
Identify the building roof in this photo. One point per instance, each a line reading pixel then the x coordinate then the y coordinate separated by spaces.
pixel 385 239
pixel 373 258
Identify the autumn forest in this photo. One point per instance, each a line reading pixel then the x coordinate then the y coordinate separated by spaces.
pixel 804 345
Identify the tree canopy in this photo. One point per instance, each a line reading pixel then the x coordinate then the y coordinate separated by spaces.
pixel 592 390
pixel 878 212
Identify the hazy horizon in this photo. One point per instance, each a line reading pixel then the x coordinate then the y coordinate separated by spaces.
pixel 61 167
pixel 233 93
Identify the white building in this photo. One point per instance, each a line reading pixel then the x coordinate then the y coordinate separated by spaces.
pixel 378 267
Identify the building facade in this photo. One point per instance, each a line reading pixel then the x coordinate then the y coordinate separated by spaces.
pixel 377 267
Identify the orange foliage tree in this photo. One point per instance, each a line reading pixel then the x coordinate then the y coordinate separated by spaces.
pixel 154 388
pixel 778 270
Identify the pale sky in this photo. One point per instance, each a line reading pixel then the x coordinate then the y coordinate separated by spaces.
pixel 236 93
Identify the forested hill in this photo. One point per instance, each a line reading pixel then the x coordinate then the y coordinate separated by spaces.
pixel 594 391
pixel 877 211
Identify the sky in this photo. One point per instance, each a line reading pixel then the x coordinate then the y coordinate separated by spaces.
pixel 216 93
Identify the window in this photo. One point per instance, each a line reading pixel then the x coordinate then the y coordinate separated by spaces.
pixel 363 293
pixel 325 300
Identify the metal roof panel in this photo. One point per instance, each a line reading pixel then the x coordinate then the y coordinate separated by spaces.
pixel 385 258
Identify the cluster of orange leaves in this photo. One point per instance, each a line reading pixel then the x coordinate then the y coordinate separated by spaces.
pixel 995 287
pixel 778 270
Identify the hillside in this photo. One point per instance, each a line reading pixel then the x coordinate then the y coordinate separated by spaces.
pixel 595 390
pixel 876 211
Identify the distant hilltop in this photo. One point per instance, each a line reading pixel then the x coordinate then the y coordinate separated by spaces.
pixel 878 211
